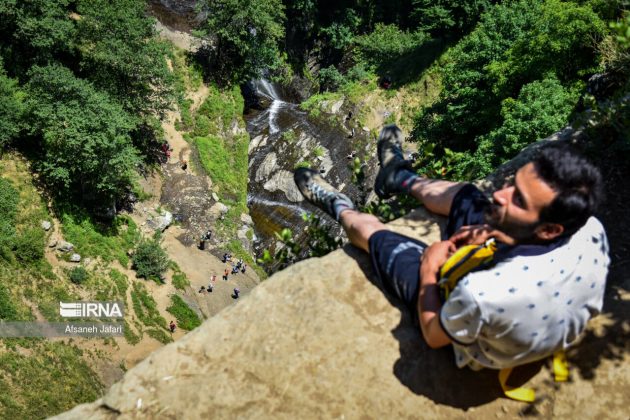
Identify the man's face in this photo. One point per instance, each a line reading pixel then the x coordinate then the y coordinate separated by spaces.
pixel 516 207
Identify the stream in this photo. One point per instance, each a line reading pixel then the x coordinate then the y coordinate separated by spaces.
pixel 283 136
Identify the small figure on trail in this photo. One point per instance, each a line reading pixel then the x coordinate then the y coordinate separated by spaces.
pixel 202 289
pixel 234 269
pixel 172 326
pixel 225 258
pixel 202 243
pixel 349 116
pixel 213 278
pixel 351 133
pixel 351 155
pixel 236 293
pixel 184 165
pixel 226 273
pixel 166 149
pixel 243 268
pixel 210 287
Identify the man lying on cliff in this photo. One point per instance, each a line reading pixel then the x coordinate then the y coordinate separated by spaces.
pixel 546 278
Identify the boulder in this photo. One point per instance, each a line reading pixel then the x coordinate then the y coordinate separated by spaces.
pixel 336 106
pixel 215 197
pixel 75 258
pixel 52 243
pixel 247 219
pixel 46 225
pixel 218 210
pixel 161 222
pixel 64 246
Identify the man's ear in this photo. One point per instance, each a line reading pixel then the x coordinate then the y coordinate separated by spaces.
pixel 549 231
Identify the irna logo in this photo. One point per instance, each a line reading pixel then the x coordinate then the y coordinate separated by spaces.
pixel 91 309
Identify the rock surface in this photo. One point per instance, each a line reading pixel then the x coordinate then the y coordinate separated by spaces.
pixel 320 340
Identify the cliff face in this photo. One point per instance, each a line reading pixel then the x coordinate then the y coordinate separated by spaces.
pixel 320 340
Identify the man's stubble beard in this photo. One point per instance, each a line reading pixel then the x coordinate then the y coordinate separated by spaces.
pixel 521 232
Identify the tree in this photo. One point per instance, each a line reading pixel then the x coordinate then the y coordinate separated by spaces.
pixel 85 135
pixel 246 37
pixel 120 54
pixel 11 108
pixel 149 259
pixel 515 44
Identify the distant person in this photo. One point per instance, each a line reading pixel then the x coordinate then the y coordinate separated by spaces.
pixel 213 278
pixel 243 268
pixel 184 164
pixel 236 293
pixel 202 289
pixel 210 288
pixel 226 273
pixel 172 326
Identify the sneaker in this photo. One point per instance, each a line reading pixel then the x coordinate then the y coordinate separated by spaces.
pixel 316 190
pixel 390 157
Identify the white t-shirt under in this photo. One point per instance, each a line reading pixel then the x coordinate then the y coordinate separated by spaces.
pixel 527 307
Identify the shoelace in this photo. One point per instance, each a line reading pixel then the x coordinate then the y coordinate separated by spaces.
pixel 319 193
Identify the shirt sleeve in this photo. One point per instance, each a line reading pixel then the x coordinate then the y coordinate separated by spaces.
pixel 460 316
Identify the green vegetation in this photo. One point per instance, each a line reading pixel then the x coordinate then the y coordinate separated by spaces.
pixel 248 34
pixel 180 281
pixel 33 373
pixel 78 275
pixel 82 82
pixel 186 317
pixel 94 239
pixel 508 77
pixel 150 260
pixel 146 310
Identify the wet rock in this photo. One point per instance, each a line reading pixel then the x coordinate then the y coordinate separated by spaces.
pixel 283 181
pixel 266 167
pixel 247 219
pixel 75 258
pixel 64 246
pixel 46 225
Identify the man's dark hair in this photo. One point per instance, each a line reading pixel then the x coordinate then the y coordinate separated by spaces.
pixel 577 182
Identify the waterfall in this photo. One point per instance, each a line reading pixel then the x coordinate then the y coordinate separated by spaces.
pixel 267 89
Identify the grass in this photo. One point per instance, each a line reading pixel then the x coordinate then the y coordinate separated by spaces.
pixel 146 310
pixel 186 317
pixel 180 280
pixel 41 378
pixel 93 239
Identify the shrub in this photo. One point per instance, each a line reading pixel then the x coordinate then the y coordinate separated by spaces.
pixel 29 245
pixel 149 259
pixel 330 79
pixel 78 275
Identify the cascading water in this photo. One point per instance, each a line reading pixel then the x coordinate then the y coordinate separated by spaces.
pixel 283 137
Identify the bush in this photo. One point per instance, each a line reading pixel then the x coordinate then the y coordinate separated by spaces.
pixel 388 43
pixel 149 259
pixel 29 245
pixel 329 79
pixel 78 275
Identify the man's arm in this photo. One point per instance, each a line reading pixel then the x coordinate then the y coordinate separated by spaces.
pixel 429 304
pixel 436 194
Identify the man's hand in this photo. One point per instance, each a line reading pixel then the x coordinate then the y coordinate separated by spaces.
pixel 436 255
pixel 478 234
